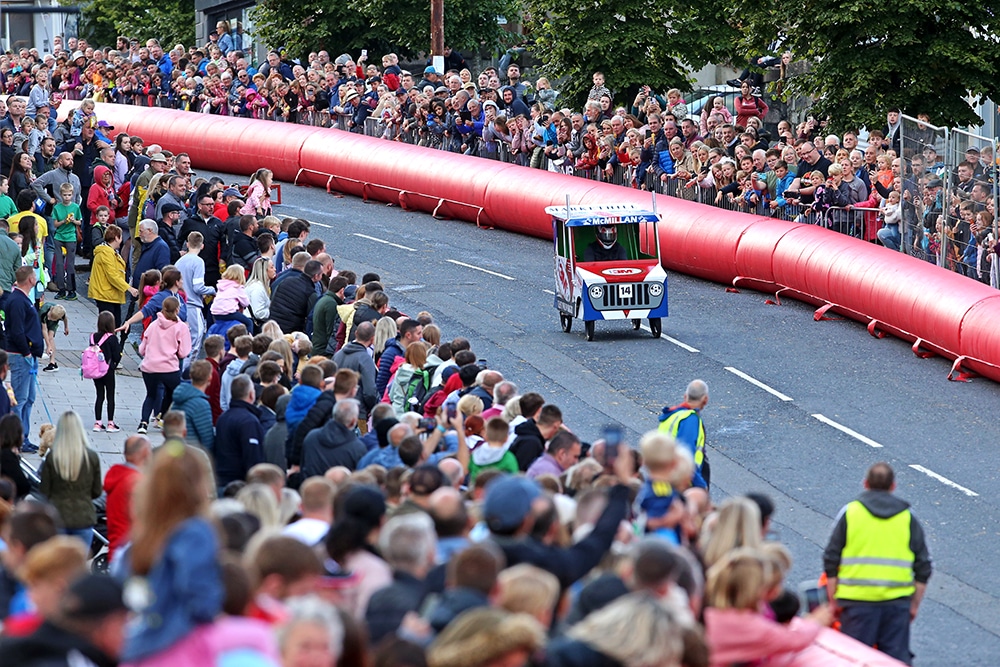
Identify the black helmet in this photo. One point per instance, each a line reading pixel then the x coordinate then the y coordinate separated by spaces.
pixel 607 235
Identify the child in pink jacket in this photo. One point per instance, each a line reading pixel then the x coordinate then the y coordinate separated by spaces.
pixel 231 298
pixel 164 344
pixel 736 629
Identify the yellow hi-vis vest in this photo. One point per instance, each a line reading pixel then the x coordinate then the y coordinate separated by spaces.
pixel 672 424
pixel 876 564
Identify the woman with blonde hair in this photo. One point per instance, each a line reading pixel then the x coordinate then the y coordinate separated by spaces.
pixel 470 405
pixel 281 346
pixel 258 201
pixel 259 501
pixel 259 289
pixel 636 630
pixel 71 478
pixel 735 629
pixel 272 330
pixel 385 330
pixel 175 582
pixel 737 524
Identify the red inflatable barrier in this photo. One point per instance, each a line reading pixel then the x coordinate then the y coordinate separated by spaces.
pixel 939 311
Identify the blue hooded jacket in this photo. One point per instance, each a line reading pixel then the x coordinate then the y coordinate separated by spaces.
pixel 302 399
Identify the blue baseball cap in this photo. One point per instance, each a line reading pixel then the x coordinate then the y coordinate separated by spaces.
pixel 508 502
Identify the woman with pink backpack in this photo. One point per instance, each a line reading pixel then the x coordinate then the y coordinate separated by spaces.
pixel 99 362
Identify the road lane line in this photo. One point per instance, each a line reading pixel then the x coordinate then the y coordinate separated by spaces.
pixel 548 291
pixel 758 383
pixel 851 432
pixel 378 240
pixel 680 344
pixel 945 481
pixel 478 268
pixel 320 224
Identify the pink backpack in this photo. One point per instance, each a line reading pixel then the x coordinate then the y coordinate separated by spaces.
pixel 93 365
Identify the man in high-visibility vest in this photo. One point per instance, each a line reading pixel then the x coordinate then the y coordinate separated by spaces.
pixel 877 566
pixel 683 423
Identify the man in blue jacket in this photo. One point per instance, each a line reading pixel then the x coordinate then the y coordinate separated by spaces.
pixel 239 439
pixel 24 346
pixel 683 423
pixel 155 251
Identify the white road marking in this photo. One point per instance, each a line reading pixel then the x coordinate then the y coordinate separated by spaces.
pixel 683 346
pixel 477 268
pixel 394 245
pixel 851 432
pixel 945 481
pixel 320 224
pixel 548 291
pixel 758 383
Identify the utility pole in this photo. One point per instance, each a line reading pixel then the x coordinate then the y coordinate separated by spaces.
pixel 437 27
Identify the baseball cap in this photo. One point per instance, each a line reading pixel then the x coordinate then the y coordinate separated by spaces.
pixel 430 70
pixel 230 192
pixel 105 124
pixel 92 596
pixel 440 89
pixel 508 502
pixel 157 157
pixel 401 91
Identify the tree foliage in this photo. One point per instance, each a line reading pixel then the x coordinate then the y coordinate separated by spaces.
pixel 381 26
pixel 169 21
pixel 634 42
pixel 864 58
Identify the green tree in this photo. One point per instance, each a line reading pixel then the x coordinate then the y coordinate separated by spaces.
pixel 865 58
pixel 634 42
pixel 169 21
pixel 381 26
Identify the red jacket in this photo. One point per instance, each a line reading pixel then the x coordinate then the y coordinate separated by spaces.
pixel 747 107
pixel 119 483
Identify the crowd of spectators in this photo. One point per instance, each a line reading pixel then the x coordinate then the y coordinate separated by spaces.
pixel 724 155
pixel 319 478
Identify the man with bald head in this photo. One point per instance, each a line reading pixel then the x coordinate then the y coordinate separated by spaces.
pixel 388 456
pixel 453 472
pixel 119 483
pixel 486 382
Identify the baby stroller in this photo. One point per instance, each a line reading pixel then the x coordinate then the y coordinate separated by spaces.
pixel 99 543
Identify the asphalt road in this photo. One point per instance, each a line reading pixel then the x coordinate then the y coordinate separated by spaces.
pixel 834 400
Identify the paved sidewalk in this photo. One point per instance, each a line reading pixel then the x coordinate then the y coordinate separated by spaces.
pixel 66 389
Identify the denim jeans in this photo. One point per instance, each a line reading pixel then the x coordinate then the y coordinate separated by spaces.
pixel 889 236
pixel 23 375
pixel 86 535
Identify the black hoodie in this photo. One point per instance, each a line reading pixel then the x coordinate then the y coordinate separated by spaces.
pixel 51 646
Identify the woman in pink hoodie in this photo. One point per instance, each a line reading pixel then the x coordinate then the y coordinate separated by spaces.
pixel 736 630
pixel 231 297
pixel 164 343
